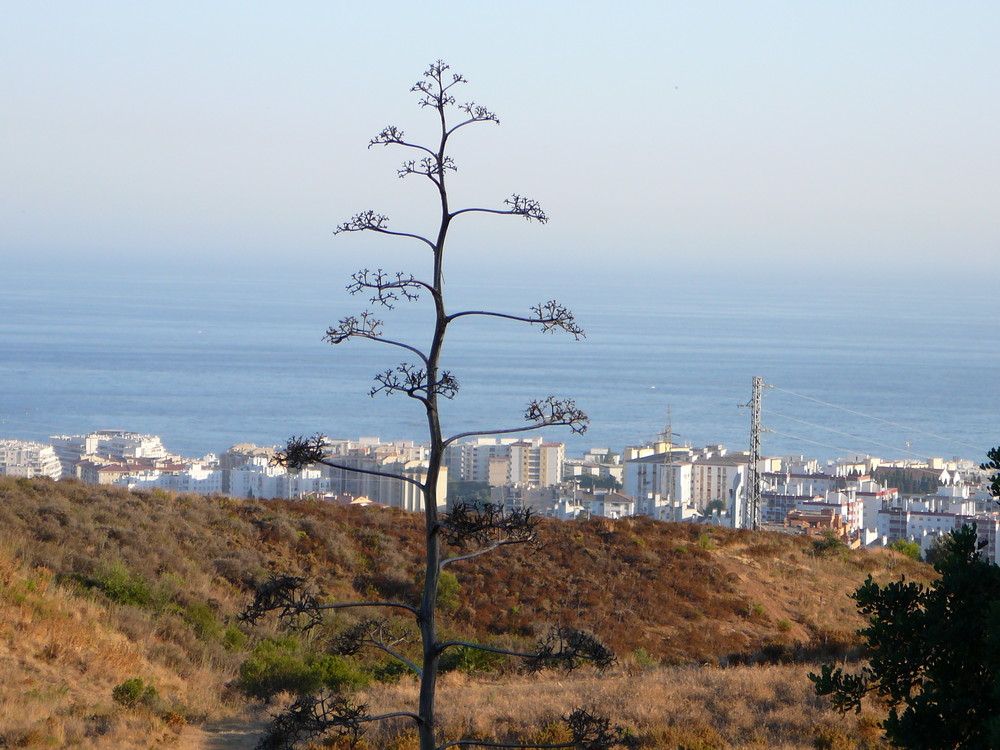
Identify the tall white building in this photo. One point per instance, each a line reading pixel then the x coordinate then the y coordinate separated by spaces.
pixel 500 461
pixel 405 460
pixel 116 444
pixel 22 458
pixel 672 482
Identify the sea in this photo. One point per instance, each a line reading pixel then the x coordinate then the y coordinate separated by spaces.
pixel 860 364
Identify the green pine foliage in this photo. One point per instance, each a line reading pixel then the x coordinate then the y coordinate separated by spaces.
pixel 935 653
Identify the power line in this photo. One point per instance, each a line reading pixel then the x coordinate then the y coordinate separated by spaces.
pixel 878 419
pixel 844 434
pixel 814 442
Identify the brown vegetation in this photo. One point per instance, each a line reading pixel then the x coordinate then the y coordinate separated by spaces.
pixel 769 707
pixel 101 586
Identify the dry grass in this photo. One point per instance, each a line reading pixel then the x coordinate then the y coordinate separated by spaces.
pixel 657 593
pixel 696 708
pixel 60 658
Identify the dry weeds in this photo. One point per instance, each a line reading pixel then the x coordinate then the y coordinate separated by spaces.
pixel 659 594
pixel 697 708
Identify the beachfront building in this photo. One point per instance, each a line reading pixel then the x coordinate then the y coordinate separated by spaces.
pixel 116 445
pixel 192 477
pixel 23 458
pixel 260 479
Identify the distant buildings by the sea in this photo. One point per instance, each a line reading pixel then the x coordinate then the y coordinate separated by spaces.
pixel 865 501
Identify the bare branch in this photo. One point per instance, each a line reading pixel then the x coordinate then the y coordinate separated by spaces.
pixel 568 648
pixel 366 221
pixel 434 89
pixel 551 412
pixel 412 381
pixel 287 596
pixel 488 524
pixel 302 451
pixel 592 732
pixel 547 412
pixel 470 555
pixel 551 316
pixel 386 289
pixel 563 647
pixel 491 649
pixel 378 633
pixel 526 207
pixel 507 431
pixel 518 205
pixel 356 605
pixel 393 136
pixel 315 716
pixel 369 221
pixel 365 326
pixel 476 113
pixel 429 166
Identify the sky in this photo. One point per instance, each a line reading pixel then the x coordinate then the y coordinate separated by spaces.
pixel 853 138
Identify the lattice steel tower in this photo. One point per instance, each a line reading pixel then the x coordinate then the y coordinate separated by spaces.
pixel 751 512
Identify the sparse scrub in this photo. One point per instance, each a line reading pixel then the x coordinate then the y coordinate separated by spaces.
pixel 73 648
pixel 751 708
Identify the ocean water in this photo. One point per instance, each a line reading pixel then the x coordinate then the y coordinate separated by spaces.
pixel 205 360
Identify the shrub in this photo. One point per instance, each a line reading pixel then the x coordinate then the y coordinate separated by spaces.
pixel 903 547
pixel 471 660
pixel 278 665
pixel 829 544
pixel 643 659
pixel 448 591
pixel 233 639
pixel 134 693
pixel 122 586
pixel 202 620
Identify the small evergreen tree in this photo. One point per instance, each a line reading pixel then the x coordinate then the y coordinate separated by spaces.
pixel 935 653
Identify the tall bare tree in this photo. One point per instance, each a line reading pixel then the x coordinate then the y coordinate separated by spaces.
pixel 471 530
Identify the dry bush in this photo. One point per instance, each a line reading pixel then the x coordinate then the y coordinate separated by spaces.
pixel 691 707
pixel 679 593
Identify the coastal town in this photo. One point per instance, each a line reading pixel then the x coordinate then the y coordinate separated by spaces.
pixel 864 501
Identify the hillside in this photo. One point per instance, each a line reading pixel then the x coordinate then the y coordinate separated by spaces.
pixel 100 586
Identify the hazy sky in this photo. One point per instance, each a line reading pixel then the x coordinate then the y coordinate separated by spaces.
pixel 850 134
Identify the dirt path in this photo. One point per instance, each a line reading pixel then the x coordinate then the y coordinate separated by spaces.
pixel 237 733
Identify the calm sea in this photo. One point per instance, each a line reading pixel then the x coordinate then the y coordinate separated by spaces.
pixel 207 360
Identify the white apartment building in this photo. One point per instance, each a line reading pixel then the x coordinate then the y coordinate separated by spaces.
pixel 115 444
pixel 24 458
pixel 260 479
pixel 405 460
pixel 854 499
pixel 536 462
pixel 666 483
pixel 195 478
pixel 715 476
pixel 500 461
